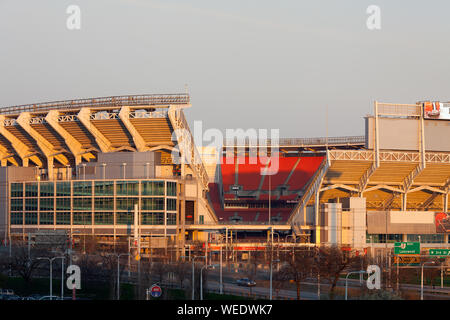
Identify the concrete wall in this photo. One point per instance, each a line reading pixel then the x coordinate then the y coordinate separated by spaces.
pixel 404 134
pixel 139 165
pixel 401 222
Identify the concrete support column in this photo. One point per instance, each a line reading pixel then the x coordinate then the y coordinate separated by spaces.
pixel 316 215
pixel 25 162
pixel 78 159
pixel 404 201
pixel 445 208
pixel 50 167
pixel 4 163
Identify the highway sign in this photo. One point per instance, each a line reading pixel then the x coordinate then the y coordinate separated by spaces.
pixel 407 248
pixel 439 252
pixel 405 260
pixel 155 291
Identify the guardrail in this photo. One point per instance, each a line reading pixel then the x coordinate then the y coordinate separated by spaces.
pixel 114 101
pixel 320 141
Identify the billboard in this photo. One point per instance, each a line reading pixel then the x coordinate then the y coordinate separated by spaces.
pixel 442 221
pixel 436 110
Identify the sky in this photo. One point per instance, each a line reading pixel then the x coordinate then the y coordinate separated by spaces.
pixel 307 68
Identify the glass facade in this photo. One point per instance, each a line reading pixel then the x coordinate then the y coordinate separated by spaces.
pixel 98 202
pixel 391 238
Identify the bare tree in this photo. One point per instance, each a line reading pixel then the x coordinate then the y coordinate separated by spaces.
pixel 24 261
pixel 159 269
pixel 297 266
pixel 181 269
pixel 333 261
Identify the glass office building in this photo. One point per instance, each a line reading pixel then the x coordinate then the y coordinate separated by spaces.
pixel 93 203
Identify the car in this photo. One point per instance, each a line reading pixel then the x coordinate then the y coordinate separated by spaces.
pixel 246 282
pixel 6 292
pixel 12 297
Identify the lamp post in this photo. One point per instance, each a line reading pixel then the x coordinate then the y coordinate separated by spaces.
pixel 421 278
pixel 50 260
pixel 193 264
pixel 346 278
pixel 118 270
pixel 201 278
pixel 220 252
pixel 271 263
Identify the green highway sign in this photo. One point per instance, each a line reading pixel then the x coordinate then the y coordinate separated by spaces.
pixel 407 248
pixel 439 252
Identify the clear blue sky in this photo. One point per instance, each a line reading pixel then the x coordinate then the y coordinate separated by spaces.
pixel 248 64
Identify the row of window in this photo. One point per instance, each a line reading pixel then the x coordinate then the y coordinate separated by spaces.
pixel 391 238
pixel 85 204
pixel 85 218
pixel 87 188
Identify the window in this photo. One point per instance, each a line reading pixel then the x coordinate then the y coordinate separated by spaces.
pixel 426 238
pixel 171 188
pixel 171 204
pixel 31 204
pixel 82 204
pixel 104 188
pixel 152 203
pixel 63 189
pixel 171 218
pixel 46 218
pixel 126 203
pixel 82 188
pixel 381 238
pixel 152 188
pixel 82 218
pixel 101 204
pixel 47 189
pixel 16 190
pixel 16 204
pixel 152 218
pixel 16 218
pixel 63 204
pixel 127 188
pixel 104 218
pixel 125 218
pixel 31 189
pixel 201 219
pixel 31 218
pixel 46 204
pixel 63 218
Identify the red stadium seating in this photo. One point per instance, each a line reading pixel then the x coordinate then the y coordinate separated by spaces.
pixel 304 172
pixel 249 178
pixel 285 166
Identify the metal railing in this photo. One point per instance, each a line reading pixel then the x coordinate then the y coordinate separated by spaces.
pixel 399 110
pixel 320 141
pixel 114 101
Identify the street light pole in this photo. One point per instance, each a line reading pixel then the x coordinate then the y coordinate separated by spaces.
pixel 421 278
pixel 193 278
pixel 118 270
pixel 271 263
pixel 50 260
pixel 346 278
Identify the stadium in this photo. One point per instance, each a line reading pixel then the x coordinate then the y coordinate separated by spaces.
pixel 126 167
